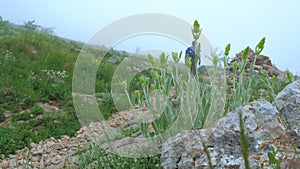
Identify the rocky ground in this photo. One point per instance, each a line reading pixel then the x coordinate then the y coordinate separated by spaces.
pixel 52 153
pixel 56 153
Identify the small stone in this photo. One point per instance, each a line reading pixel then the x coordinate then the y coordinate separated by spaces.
pixel 56 160
pixel 57 146
pixel 7 114
pixel 65 137
pixel 13 162
pixel 19 156
pixel 49 143
pixel 267 67
pixel 73 149
pixel 63 151
pixel 12 156
pixel 5 164
pixel 73 145
pixel 37 151
pixel 82 130
pixel 42 163
pixel 47 162
pixel 257 67
pixel 52 153
pixel 32 145
pixel 35 159
pixel 268 62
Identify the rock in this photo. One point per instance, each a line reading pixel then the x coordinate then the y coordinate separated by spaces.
pixel 49 108
pixel 65 137
pixel 7 114
pixel 181 150
pixel 5 164
pixel 13 162
pixel 37 150
pixel 267 68
pixel 35 159
pixel 58 146
pixel 262 59
pixel 262 63
pixel 257 67
pixel 56 160
pixel 32 145
pixel 288 103
pixel 223 140
pixel 49 143
pixel 268 62
pixel 12 156
pixel 19 156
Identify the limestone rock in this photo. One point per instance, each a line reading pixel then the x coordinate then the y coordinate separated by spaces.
pixel 288 103
pixel 185 150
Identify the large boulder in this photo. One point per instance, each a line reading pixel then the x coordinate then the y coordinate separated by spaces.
pixel 262 128
pixel 288 104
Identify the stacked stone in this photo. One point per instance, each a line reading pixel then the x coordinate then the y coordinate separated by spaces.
pixel 262 63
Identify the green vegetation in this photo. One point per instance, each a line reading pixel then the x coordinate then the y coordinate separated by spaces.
pixel 273 160
pixel 96 157
pixel 37 67
pixel 13 139
pixel 130 131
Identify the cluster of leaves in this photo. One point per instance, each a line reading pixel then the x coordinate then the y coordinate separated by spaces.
pixel 273 159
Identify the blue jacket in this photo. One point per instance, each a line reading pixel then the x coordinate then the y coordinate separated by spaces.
pixel 189 51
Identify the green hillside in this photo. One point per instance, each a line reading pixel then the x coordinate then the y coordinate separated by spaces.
pixel 36 67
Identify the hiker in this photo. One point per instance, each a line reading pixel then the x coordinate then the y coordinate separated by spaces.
pixel 191 52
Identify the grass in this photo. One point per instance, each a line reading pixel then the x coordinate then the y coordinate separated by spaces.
pixel 37 67
pixel 95 157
